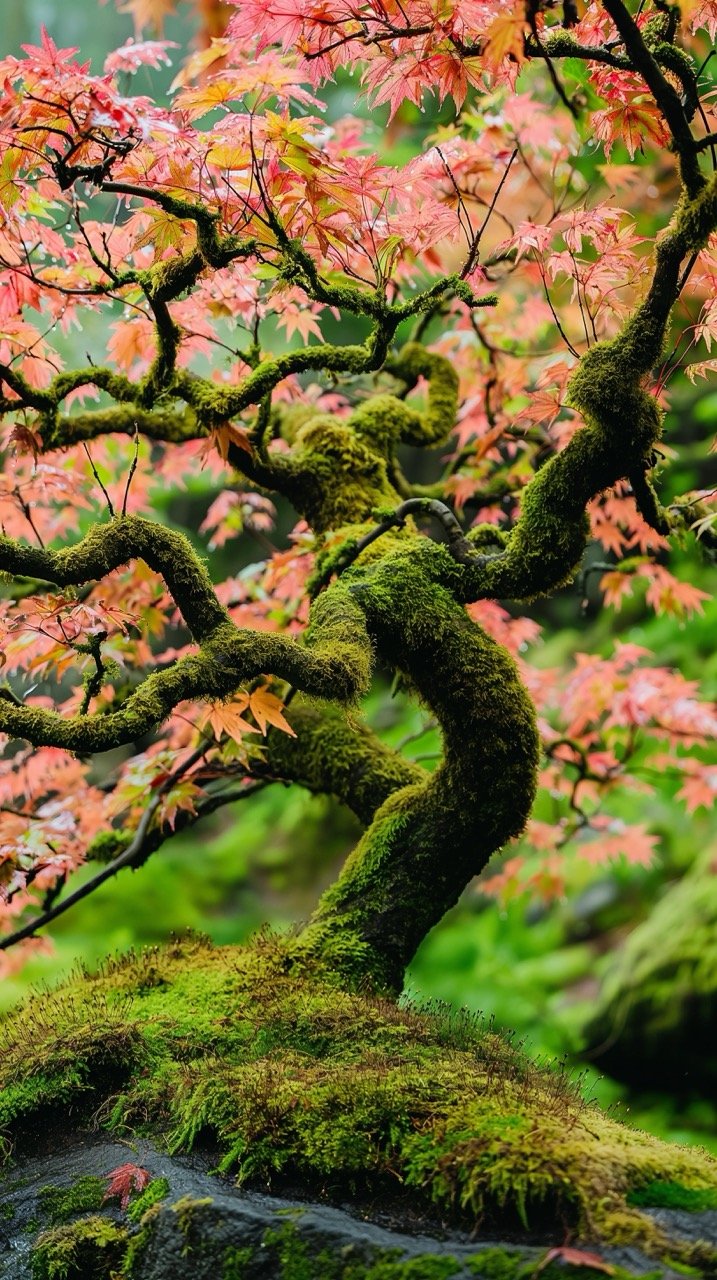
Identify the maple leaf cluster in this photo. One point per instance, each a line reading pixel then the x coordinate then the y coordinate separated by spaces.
pixel 611 727
pixel 220 243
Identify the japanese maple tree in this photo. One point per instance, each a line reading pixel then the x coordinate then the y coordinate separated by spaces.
pixel 519 319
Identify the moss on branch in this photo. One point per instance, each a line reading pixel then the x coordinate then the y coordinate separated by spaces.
pixel 341 469
pixel 166 425
pixel 332 755
pixel 396 885
pixel 335 661
pixel 623 423
pixel 211 403
pixel 409 426
pixel 109 546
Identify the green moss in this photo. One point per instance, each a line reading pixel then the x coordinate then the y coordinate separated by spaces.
pixel 86 1250
pixel 155 1191
pixel 496 1264
pixel 388 895
pixel 60 1204
pixel 653 1020
pixel 339 753
pixel 185 1211
pixel 55 1055
pixel 296 1261
pixel 234 1263
pixel 696 218
pixel 429 1267
pixel 137 1245
pixel 672 1195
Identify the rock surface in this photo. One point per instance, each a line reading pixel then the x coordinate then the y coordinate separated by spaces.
pixel 204 1228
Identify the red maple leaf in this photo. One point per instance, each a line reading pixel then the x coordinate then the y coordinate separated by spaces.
pixel 576 1258
pixel 125 1181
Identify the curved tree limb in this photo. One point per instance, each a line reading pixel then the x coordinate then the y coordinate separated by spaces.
pixel 331 756
pixel 623 424
pixel 328 756
pixel 334 663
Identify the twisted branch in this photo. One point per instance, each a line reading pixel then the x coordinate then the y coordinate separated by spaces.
pixel 334 663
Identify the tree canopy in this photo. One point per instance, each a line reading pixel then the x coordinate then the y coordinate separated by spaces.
pixel 268 297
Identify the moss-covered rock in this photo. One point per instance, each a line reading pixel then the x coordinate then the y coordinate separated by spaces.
pixel 296 1081
pixel 655 1022
pixel 61 1204
pixel 204 1228
pixel 90 1249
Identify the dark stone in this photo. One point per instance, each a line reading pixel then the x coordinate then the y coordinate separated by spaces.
pixel 207 1229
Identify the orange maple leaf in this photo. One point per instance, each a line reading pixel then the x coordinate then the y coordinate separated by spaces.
pixel 226 718
pixel 132 343
pixel 223 437
pixel 267 709
pixel 181 796
pixel 636 123
pixel 505 38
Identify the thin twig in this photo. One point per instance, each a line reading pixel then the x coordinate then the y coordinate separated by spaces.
pixel 132 469
pixel 96 474
pixel 473 255
pixel 559 327
pixel 124 859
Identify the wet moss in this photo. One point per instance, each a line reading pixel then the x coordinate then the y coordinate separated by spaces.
pixel 294 1078
pixel 91 1249
pixel 155 1191
pixel 59 1204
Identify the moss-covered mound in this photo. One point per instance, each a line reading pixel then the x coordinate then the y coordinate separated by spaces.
pixel 656 1021
pixel 298 1082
